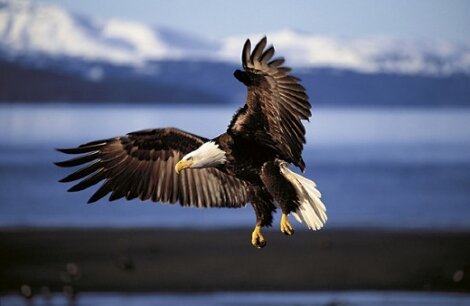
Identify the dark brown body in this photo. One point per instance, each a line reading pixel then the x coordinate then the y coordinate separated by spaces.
pixel 258 165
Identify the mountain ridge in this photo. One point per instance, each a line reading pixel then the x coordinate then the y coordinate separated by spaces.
pixel 28 27
pixel 209 82
pixel 49 54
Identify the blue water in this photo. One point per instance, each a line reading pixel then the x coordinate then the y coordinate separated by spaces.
pixel 387 298
pixel 388 168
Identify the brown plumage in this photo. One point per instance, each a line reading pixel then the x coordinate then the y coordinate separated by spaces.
pixel 276 104
pixel 141 165
pixel 245 164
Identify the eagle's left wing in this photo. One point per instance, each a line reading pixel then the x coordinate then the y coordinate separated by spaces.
pixel 142 165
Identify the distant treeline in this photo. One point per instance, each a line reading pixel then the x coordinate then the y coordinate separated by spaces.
pixel 209 82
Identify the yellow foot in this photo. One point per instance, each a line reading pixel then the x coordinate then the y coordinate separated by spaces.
pixel 257 240
pixel 286 228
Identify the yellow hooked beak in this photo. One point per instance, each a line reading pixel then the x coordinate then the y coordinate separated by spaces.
pixel 183 164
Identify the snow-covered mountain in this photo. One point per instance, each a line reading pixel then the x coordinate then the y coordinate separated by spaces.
pixel 368 55
pixel 50 54
pixel 32 28
pixel 35 28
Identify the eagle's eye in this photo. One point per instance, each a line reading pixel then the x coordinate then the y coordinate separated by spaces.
pixel 189 158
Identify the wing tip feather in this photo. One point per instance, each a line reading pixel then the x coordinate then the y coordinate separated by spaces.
pixel 91 201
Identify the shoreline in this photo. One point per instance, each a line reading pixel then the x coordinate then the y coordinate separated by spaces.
pixel 188 260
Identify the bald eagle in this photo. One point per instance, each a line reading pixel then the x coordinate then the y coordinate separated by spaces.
pixel 249 163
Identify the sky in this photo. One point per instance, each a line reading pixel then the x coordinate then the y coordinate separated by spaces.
pixel 407 19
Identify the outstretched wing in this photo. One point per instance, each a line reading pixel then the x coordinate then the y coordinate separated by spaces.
pixel 275 105
pixel 142 165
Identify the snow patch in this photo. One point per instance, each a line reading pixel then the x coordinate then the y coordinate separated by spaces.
pixel 368 55
pixel 31 28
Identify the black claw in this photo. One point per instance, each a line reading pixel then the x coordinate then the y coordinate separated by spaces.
pixel 261 244
pixel 287 233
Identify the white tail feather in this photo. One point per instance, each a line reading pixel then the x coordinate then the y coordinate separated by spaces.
pixel 312 211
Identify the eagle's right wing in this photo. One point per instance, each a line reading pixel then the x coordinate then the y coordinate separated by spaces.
pixel 142 165
pixel 275 105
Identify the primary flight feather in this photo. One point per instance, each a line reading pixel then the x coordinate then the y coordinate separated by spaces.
pixel 246 164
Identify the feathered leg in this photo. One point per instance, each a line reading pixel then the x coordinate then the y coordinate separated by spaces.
pixel 282 191
pixel 264 208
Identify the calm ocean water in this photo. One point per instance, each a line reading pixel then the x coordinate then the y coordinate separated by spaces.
pixel 255 299
pixel 389 168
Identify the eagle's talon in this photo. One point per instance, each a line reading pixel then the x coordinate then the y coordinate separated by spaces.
pixel 257 239
pixel 286 227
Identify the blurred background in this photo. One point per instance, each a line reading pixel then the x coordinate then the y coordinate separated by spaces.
pixel 388 143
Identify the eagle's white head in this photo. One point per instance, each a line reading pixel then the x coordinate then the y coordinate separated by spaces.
pixel 207 155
